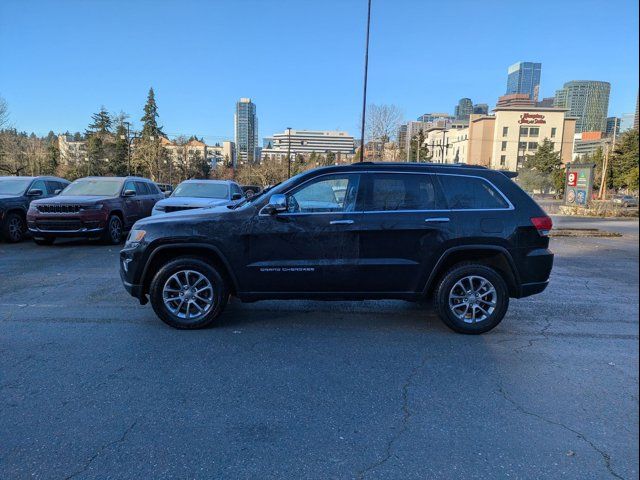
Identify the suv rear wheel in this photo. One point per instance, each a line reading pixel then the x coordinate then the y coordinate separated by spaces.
pixel 188 293
pixel 14 228
pixel 472 298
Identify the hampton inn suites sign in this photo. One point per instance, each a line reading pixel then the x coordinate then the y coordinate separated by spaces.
pixel 532 119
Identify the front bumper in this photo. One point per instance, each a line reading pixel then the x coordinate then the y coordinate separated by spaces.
pixel 86 224
pixel 129 274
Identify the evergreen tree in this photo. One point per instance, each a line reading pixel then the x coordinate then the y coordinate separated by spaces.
pixel 120 163
pixel 149 120
pixel 624 162
pixel 545 160
pixel 99 142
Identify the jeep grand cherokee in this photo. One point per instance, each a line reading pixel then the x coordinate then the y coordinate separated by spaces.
pixel 93 207
pixel 467 236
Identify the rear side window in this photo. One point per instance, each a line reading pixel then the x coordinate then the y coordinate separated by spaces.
pixel 142 188
pixel 470 193
pixel 397 191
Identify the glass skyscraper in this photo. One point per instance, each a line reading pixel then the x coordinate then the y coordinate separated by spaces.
pixel 586 100
pixel 246 131
pixel 524 77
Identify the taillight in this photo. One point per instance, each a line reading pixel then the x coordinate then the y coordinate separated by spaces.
pixel 543 225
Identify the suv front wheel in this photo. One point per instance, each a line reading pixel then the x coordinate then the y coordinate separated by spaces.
pixel 472 298
pixel 188 293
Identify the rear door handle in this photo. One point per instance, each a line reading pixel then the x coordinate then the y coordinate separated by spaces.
pixel 341 222
pixel 437 220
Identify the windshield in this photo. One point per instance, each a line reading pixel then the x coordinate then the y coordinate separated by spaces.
pixel 202 190
pixel 13 186
pixel 94 187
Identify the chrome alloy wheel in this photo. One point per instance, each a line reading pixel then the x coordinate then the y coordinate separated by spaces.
pixel 473 299
pixel 115 229
pixel 188 295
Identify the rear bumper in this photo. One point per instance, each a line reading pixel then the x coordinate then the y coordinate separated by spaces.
pixel 528 289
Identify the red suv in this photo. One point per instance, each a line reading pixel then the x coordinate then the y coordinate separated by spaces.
pixel 93 207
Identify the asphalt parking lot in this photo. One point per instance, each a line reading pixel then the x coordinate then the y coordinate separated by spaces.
pixel 92 385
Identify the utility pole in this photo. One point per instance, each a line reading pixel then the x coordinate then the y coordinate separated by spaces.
pixel 602 194
pixel 289 153
pixel 364 95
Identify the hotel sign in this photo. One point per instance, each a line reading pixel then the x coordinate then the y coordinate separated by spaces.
pixel 532 119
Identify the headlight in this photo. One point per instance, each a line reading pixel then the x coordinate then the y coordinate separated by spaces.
pixel 97 206
pixel 134 238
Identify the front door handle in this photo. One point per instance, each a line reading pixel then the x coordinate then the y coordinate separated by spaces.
pixel 341 222
pixel 437 220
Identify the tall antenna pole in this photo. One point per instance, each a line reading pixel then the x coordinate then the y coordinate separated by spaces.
pixel 364 96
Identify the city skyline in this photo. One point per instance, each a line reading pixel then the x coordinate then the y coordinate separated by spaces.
pixel 320 90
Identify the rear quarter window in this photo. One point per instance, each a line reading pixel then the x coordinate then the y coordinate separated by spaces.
pixel 471 193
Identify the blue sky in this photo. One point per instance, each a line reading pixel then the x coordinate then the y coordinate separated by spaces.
pixel 300 61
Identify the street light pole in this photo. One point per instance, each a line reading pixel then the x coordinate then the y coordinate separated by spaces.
pixel 289 153
pixel 364 91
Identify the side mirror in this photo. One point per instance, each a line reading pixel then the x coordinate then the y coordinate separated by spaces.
pixel 236 196
pixel 34 192
pixel 277 203
pixel 57 191
pixel 129 193
pixel 167 193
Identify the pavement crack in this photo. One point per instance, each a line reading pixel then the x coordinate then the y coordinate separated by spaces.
pixel 86 466
pixel 531 341
pixel 404 424
pixel 605 456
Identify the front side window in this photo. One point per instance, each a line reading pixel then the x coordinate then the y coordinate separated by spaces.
pixel 39 185
pixel 130 186
pixel 142 188
pixel 325 195
pixel 400 191
pixel 94 187
pixel 471 193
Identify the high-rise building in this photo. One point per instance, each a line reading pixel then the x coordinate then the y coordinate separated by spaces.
pixel 481 109
pixel 524 77
pixel 435 117
pixel 586 100
pixel 306 142
pixel 246 131
pixel 613 124
pixel 464 109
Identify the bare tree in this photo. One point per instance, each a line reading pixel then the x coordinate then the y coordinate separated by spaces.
pixel 382 125
pixel 4 113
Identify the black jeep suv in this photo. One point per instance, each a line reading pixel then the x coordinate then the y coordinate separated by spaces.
pixel 467 236
pixel 16 193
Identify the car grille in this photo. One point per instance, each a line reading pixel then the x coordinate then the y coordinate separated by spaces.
pixel 177 209
pixel 61 224
pixel 58 208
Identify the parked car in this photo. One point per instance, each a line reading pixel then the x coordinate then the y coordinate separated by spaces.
pixel 165 188
pixel 93 207
pixel 466 236
pixel 192 194
pixel 626 201
pixel 16 193
pixel 251 190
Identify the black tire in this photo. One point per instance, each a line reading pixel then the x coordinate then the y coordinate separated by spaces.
pixel 113 231
pixel 166 276
pixel 14 228
pixel 44 240
pixel 449 286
